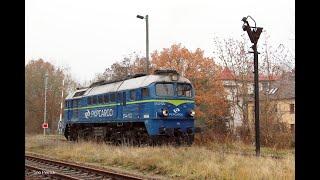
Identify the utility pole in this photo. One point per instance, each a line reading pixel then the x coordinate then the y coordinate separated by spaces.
pixel 147 40
pixel 45 101
pixel 61 109
pixel 256 99
pixel 254 34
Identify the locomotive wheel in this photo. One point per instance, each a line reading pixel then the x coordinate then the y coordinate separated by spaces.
pixel 73 134
pixel 74 137
pixel 107 140
pixel 190 139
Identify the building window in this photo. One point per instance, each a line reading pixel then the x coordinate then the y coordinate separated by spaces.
pixel 292 108
pixel 265 86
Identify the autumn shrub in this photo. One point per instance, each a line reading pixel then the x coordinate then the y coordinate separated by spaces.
pixel 208 136
pixel 244 134
pixel 276 135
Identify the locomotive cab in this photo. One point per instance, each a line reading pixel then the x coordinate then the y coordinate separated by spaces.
pixel 173 107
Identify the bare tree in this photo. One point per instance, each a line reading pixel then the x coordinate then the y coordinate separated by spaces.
pixel 233 54
pixel 129 65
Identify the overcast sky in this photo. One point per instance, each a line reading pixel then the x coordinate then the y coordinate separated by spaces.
pixel 88 36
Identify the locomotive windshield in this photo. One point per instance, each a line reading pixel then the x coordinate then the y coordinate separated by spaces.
pixel 184 90
pixel 164 89
pixel 167 89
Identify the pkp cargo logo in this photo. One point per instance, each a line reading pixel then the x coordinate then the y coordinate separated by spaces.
pixel 98 113
pixel 176 110
pixel 87 114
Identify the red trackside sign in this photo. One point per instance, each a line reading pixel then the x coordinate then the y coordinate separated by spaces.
pixel 45 125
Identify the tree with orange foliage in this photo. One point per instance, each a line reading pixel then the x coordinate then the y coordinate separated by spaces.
pixel 211 104
pixel 34 94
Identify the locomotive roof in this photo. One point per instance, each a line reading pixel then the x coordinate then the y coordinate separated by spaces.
pixel 127 84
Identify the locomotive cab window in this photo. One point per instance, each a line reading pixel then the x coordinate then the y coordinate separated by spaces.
pixel 184 90
pixel 145 92
pixel 164 89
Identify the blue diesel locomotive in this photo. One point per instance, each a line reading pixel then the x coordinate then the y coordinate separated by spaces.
pixel 140 109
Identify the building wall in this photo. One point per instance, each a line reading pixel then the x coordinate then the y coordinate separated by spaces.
pixel 230 87
pixel 283 111
pixel 287 115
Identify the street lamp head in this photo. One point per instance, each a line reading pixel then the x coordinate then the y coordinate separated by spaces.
pixel 245 24
pixel 244 19
pixel 140 17
pixel 253 32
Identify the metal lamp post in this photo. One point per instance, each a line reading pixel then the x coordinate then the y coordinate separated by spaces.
pixel 147 40
pixel 254 34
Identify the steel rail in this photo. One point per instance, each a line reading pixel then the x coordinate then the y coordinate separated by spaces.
pixel 42 164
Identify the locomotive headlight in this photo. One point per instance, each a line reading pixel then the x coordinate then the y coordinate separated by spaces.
pixel 192 113
pixel 165 112
pixel 174 77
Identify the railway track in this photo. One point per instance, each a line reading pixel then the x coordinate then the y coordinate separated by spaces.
pixel 44 168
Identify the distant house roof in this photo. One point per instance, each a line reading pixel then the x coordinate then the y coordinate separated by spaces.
pixel 267 78
pixel 283 88
pixel 227 74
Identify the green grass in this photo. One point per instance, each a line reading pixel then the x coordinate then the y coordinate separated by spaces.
pixel 213 161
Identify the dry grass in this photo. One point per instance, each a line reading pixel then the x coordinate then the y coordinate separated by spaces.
pixel 196 162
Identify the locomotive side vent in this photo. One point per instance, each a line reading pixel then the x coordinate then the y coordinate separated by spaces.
pixel 103 82
pixel 165 71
